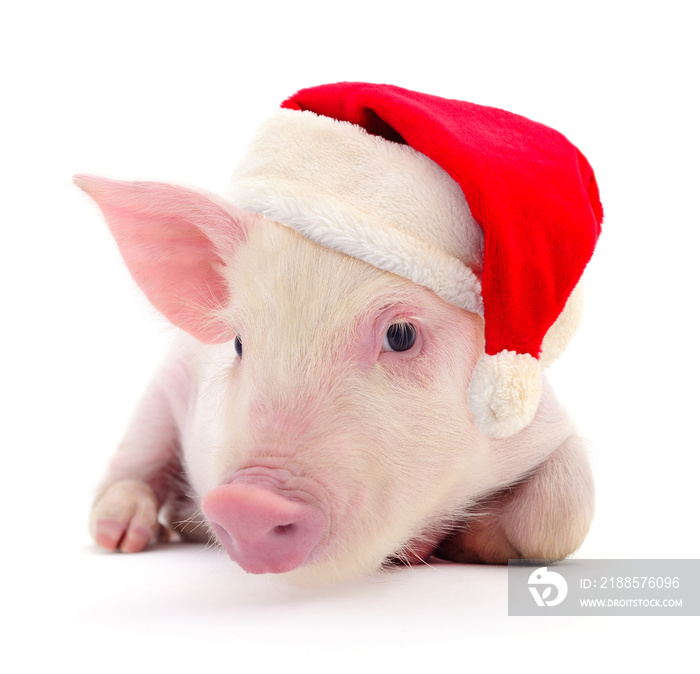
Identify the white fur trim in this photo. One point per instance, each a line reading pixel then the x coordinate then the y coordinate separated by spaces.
pixel 560 334
pixel 379 201
pixel 505 392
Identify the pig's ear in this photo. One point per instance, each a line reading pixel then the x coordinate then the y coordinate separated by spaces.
pixel 174 241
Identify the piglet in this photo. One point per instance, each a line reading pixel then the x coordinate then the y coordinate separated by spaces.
pixel 322 413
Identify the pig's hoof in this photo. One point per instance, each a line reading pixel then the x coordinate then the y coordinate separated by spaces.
pixel 125 517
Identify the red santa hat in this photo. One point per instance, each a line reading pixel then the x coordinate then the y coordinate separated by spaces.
pixel 493 212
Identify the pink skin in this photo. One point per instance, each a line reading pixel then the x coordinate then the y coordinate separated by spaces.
pixel 265 531
pixel 319 448
pixel 128 517
pixel 113 534
pixel 184 226
pixel 269 520
pixel 419 551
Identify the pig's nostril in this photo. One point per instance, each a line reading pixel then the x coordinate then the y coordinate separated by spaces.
pixel 265 532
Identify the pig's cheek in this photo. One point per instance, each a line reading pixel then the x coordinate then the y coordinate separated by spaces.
pixel 347 510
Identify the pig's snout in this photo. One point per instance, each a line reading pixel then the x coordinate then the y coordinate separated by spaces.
pixel 262 530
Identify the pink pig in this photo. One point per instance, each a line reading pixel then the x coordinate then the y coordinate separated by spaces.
pixel 317 413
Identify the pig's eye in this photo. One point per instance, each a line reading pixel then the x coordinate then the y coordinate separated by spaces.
pixel 238 345
pixel 399 337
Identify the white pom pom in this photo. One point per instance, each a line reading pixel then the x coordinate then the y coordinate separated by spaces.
pixel 505 392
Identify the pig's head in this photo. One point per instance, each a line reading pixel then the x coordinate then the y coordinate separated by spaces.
pixel 331 428
pixel 352 438
pixel 377 306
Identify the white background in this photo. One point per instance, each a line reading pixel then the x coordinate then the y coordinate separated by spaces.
pixel 173 91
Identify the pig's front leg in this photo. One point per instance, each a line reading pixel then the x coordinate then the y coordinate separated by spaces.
pixel 125 516
pixel 146 468
pixel 546 516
